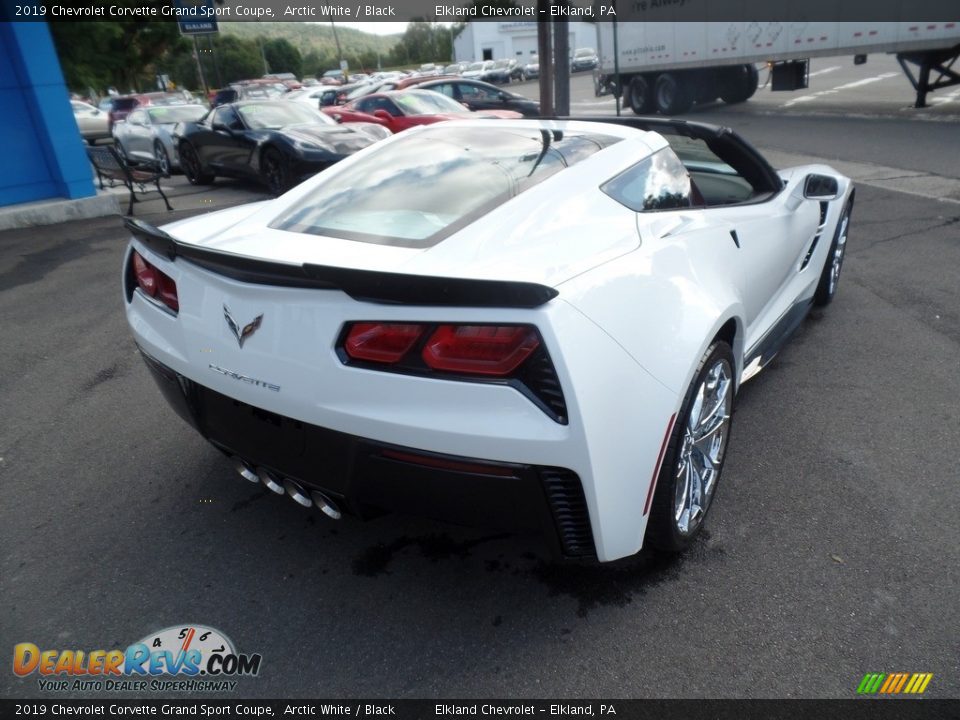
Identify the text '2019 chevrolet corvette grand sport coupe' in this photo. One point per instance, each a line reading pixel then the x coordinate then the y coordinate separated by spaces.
pixel 530 324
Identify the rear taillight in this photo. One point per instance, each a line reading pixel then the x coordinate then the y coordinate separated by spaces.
pixel 480 349
pixel 490 350
pixel 154 283
pixel 381 342
pixel 513 355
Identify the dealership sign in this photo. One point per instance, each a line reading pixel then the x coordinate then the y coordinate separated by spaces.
pixel 196 17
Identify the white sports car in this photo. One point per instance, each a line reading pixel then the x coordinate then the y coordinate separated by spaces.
pixel 529 324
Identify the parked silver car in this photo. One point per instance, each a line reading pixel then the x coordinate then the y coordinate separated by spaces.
pixel 531 69
pixel 146 133
pixel 584 59
pixel 93 122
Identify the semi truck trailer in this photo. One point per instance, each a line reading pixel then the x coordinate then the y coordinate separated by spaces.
pixel 666 67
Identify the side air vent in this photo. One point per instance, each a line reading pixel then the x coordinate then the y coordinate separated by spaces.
pixel 813 245
pixel 569 508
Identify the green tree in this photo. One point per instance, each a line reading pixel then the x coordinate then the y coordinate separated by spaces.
pixel 423 42
pixel 316 63
pixel 239 59
pixel 282 56
pixel 118 54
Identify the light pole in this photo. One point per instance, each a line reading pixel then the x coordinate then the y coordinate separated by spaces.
pixel 339 51
pixel 263 56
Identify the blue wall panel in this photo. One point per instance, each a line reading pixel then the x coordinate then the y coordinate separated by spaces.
pixel 44 155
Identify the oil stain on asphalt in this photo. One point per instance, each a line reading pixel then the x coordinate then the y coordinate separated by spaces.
pixel 592 586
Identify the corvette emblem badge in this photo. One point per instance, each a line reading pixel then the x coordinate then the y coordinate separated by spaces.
pixel 241 334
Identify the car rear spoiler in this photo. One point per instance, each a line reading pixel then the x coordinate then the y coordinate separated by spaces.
pixel 368 285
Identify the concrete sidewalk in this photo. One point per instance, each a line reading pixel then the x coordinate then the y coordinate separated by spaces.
pixel 186 200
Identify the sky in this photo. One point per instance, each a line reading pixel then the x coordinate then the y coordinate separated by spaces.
pixel 377 28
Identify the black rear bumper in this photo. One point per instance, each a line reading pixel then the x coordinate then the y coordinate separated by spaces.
pixel 368 478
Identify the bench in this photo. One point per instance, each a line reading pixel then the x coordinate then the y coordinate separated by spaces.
pixel 110 164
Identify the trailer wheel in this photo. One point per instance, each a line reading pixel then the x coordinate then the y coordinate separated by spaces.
pixel 672 95
pixel 738 84
pixel 640 96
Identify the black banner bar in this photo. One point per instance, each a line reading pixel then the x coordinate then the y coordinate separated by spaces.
pixel 517 11
pixel 857 709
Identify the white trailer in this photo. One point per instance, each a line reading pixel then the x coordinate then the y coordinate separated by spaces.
pixel 667 66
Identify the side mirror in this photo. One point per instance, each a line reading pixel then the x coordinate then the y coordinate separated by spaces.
pixel 820 187
pixel 338 117
pixel 220 127
pixel 383 115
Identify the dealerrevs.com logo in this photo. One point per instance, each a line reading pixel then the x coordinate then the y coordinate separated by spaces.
pixel 183 657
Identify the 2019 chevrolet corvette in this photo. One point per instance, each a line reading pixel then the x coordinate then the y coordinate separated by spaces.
pixel 276 142
pixel 534 324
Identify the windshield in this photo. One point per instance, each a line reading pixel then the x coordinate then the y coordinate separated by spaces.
pixel 427 102
pixel 501 63
pixel 270 116
pixel 534 60
pixel 584 52
pixel 476 66
pixel 460 174
pixel 364 90
pixel 176 113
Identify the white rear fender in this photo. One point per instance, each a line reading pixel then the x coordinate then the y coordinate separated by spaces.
pixel 665 302
pixel 621 412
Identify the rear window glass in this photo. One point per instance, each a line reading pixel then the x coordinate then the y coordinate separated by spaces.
pixel 125 103
pixel 422 188
pixel 660 182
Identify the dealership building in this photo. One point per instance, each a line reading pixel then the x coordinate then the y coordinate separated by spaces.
pixel 497 40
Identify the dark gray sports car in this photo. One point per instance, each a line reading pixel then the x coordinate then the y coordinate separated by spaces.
pixel 277 142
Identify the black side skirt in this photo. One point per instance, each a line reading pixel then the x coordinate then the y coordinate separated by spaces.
pixel 771 343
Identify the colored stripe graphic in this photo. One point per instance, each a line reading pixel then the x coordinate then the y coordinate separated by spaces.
pixel 894 683
pixel 891 679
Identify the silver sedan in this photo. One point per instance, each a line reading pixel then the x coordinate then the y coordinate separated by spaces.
pixel 93 123
pixel 146 134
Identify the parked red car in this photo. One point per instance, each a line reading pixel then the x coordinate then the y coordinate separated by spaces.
pixel 404 109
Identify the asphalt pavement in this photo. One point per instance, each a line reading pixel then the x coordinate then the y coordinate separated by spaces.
pixel 832 549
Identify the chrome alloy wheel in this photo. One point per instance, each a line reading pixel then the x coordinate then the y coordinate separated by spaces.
pixel 704 442
pixel 836 262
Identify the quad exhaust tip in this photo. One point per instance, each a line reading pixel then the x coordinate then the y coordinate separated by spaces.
pixel 282 486
pixel 245 469
pixel 271 481
pixel 297 493
pixel 327 506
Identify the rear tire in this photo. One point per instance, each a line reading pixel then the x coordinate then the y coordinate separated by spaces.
pixel 738 84
pixel 163 160
pixel 830 276
pixel 273 171
pixel 640 96
pixel 694 457
pixel 192 168
pixel 672 94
